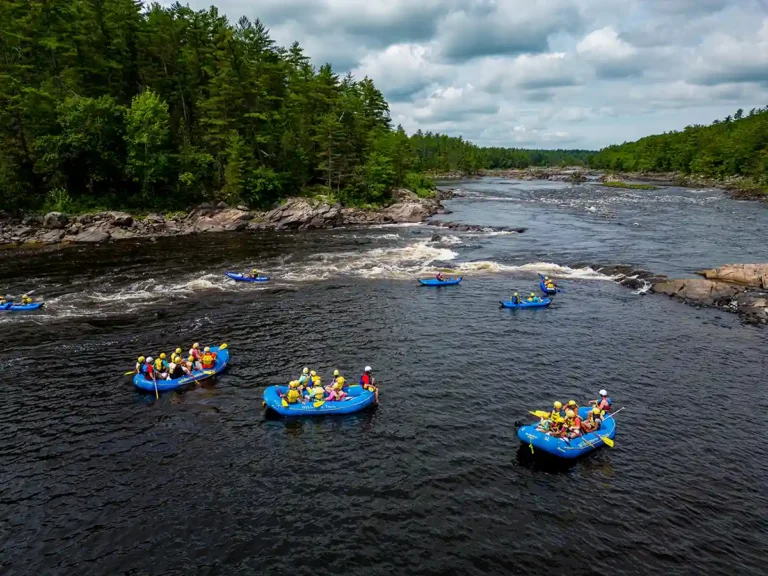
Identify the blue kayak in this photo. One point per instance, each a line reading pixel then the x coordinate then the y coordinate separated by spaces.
pixel 436 282
pixel 547 290
pixel 563 448
pixel 198 375
pixel 241 278
pixel 524 304
pixel 21 307
pixel 357 399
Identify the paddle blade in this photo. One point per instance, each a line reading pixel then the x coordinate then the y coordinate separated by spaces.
pixel 540 414
pixel 608 441
pixel 130 372
pixel 319 403
pixel 223 346
pixel 284 402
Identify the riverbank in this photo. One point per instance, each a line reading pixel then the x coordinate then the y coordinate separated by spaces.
pixel 33 230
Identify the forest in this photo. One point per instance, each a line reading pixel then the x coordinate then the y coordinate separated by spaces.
pixel 734 146
pixel 120 104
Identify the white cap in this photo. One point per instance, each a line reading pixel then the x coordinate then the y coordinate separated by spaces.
pixel 149 359
pixel 603 393
pixel 367 368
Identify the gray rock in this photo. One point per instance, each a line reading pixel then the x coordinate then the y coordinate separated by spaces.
pixel 243 208
pixel 32 220
pixel 121 234
pixel 154 218
pixel 74 229
pixel 22 231
pixel 92 235
pixel 697 290
pixel 55 220
pixel 51 237
pixel 222 205
pixel 84 219
pixel 122 219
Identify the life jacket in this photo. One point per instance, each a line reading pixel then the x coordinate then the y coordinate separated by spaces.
pixel 316 381
pixel 293 396
pixel 576 423
pixel 605 403
pixel 159 365
pixel 149 371
pixel 195 353
pixel 365 379
pixel 208 359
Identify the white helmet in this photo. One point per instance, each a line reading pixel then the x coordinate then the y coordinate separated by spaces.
pixel 150 359
pixel 367 368
pixel 603 393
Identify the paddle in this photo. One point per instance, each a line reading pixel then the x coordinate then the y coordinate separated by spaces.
pixel 319 403
pixel 129 373
pixel 541 414
pixel 157 394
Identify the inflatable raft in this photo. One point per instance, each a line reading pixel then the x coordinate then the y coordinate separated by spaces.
pixel 436 282
pixel 21 307
pixel 357 399
pixel 543 304
pixel 547 290
pixel 563 448
pixel 241 278
pixel 222 358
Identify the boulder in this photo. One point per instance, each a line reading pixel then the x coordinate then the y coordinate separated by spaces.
pixel 122 219
pixel 698 290
pixel 304 214
pixel 22 231
pixel 92 235
pixel 404 195
pixel 407 212
pixel 226 220
pixel 74 229
pixel 84 219
pixel 120 234
pixel 746 274
pixel 55 220
pixel 154 218
pixel 51 237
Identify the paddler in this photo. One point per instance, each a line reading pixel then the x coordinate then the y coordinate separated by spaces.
pixel 439 277
pixel 209 359
pixel 305 379
pixel 557 410
pixel 572 424
pixel 149 369
pixel 3 301
pixel 140 365
pixel 515 298
pixel 26 300
pixel 593 420
pixel 573 406
pixel 195 351
pixel 368 383
pixel 336 391
pixel 604 402
pixel 254 273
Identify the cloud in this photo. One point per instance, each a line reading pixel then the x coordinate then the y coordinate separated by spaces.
pixel 540 73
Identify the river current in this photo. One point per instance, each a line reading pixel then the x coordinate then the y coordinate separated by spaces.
pixel 97 478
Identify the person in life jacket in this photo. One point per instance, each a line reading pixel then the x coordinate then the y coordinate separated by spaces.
pixel 187 365
pixel 149 369
pixel 172 367
pixel 592 421
pixel 439 277
pixel 573 406
pixel 533 298
pixel 293 396
pixel 573 424
pixel 557 426
pixel 195 351
pixel 557 410
pixel 26 300
pixel 140 365
pixel 3 301
pixel 368 383
pixel 515 298
pixel 209 358
pixel 336 391
pixel 604 402
pixel 254 273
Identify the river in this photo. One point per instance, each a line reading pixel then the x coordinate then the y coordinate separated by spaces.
pixel 98 478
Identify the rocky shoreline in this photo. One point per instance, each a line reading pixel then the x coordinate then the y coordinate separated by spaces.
pixel 735 288
pixel 56 228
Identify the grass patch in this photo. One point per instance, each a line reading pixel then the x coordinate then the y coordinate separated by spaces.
pixel 617 184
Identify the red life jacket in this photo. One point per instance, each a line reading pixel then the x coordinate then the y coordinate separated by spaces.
pixel 209 359
pixel 365 379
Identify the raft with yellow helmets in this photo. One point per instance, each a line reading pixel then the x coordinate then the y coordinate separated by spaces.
pixel 307 397
pixel 568 448
pixel 222 358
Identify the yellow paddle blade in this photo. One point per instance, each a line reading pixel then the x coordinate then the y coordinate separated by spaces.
pixel 263 404
pixel 131 372
pixel 540 414
pixel 319 403
pixel 223 346
pixel 285 403
pixel 608 441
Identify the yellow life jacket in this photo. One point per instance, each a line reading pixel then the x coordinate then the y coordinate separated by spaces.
pixel 158 365
pixel 316 380
pixel 293 396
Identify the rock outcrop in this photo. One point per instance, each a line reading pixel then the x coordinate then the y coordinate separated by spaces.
pixel 698 290
pixel 300 214
pixel 755 275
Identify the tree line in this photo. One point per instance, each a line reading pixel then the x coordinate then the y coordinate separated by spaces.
pixel 736 145
pixel 114 103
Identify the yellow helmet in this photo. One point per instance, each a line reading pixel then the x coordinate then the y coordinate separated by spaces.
pixel 305 371
pixel 195 345
pixel 569 414
pixel 313 373
pixel 25 296
pixel 558 404
pixel 207 349
pixel 254 271
pixel 162 356
pixel 335 372
pixel 191 359
pixel 571 402
pixel 533 294
pixel 178 350
pixel 516 294
pixel 141 358
pixel 293 383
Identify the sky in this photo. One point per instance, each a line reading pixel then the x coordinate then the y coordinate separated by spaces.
pixel 537 73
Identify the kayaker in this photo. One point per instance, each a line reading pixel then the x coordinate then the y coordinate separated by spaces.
pixel 26 300
pixel 515 298
pixel 209 359
pixel 149 369
pixel 140 365
pixel 439 277
pixel 254 273
pixel 3 301
pixel 604 402
pixel 368 383
pixel 573 424
pixel 592 421
pixel 533 297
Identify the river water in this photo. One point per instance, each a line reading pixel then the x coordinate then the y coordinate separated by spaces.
pixel 97 478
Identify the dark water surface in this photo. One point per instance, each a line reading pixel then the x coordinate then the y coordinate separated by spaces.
pixel 97 478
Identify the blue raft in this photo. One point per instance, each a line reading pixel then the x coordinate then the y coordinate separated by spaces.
pixel 197 376
pixel 547 290
pixel 543 304
pixel 21 307
pixel 241 278
pixel 563 448
pixel 357 399
pixel 436 282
